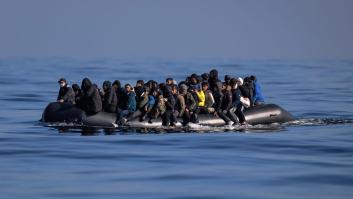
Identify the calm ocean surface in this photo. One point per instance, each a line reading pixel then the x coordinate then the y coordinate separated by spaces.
pixel 310 158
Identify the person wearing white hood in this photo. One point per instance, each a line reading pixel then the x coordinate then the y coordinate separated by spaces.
pixel 245 93
pixel 237 103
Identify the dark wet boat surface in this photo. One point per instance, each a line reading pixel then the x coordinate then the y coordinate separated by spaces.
pixel 64 112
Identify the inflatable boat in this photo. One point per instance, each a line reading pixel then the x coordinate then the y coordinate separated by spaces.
pixel 67 113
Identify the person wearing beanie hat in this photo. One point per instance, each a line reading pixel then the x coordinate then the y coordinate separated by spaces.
pixel 205 77
pixel 66 93
pixel 227 79
pixel 169 81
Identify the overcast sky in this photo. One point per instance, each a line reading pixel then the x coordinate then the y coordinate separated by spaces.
pixel 245 29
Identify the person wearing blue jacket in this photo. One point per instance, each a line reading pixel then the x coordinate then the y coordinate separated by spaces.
pixel 258 97
pixel 145 103
pixel 129 106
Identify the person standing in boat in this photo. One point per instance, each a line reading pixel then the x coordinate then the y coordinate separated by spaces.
pixel 258 97
pixel 215 85
pixel 66 93
pixel 90 101
pixel 109 98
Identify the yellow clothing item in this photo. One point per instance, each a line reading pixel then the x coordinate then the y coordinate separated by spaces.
pixel 201 95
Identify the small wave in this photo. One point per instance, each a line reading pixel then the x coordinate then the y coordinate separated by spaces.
pixel 320 121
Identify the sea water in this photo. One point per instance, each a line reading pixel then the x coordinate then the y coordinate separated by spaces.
pixel 311 157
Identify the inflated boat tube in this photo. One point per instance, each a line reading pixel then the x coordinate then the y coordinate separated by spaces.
pixel 64 112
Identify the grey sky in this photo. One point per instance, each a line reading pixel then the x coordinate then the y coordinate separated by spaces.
pixel 304 29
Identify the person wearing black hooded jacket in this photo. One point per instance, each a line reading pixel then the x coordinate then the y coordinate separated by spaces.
pixel 120 94
pixel 226 105
pixel 66 93
pixel 90 101
pixel 168 117
pixel 215 86
pixel 247 89
pixel 109 99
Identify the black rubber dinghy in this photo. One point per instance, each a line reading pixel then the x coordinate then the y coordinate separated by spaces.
pixel 67 113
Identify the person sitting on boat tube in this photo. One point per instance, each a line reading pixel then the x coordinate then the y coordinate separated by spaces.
pixel 237 103
pixel 190 104
pixel 66 94
pixel 158 108
pixel 145 102
pixel 247 89
pixel 198 94
pixel 90 100
pixel 109 98
pixel 129 104
pixel 245 94
pixel 258 97
pixel 77 91
pixel 168 117
pixel 209 100
pixel 139 89
pixel 224 110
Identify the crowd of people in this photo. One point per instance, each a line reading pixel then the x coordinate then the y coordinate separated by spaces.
pixel 198 94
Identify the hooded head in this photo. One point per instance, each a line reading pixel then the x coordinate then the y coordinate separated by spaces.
pixel 117 83
pixel 227 79
pixel 213 74
pixel 233 83
pixel 167 91
pixel 86 84
pixel 107 85
pixel 240 81
pixel 76 87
